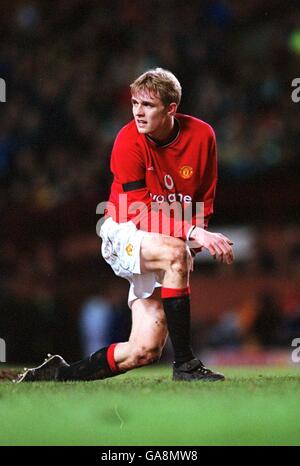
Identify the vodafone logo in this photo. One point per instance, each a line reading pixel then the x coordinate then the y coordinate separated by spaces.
pixel 172 197
pixel 169 183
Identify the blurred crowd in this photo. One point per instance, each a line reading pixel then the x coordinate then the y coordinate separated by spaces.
pixel 68 65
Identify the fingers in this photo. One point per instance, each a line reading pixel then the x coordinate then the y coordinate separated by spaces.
pixel 227 257
pixel 226 239
pixel 224 258
pixel 212 250
pixel 219 246
pixel 231 257
pixel 222 251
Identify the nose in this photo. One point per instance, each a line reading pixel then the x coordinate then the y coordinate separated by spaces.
pixel 140 110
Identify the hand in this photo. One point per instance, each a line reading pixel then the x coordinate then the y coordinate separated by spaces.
pixel 219 246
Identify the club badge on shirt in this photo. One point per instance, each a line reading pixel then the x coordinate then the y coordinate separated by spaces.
pixel 186 172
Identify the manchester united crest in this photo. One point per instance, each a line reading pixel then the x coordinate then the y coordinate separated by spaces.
pixel 129 249
pixel 186 172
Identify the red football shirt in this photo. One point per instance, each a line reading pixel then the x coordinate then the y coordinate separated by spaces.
pixel 185 171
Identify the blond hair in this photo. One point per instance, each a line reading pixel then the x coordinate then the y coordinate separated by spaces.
pixel 160 82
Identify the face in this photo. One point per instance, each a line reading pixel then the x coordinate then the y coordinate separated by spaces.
pixel 151 116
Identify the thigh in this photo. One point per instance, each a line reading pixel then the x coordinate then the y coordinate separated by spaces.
pixel 149 328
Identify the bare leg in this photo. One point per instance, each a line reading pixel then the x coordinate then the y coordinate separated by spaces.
pixel 168 255
pixel 148 334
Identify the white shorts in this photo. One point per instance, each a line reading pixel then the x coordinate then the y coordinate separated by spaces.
pixel 121 244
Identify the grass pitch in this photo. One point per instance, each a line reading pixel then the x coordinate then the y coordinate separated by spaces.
pixel 254 406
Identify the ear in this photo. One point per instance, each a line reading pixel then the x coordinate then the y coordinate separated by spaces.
pixel 172 109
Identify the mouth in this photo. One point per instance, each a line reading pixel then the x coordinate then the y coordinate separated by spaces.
pixel 141 122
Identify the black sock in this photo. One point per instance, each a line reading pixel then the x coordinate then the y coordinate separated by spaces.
pixel 95 367
pixel 177 310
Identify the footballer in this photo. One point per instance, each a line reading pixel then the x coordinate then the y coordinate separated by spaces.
pixel 161 157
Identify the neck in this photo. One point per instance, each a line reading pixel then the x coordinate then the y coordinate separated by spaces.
pixel 167 133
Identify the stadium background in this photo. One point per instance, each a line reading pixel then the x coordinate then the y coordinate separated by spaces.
pixel 67 66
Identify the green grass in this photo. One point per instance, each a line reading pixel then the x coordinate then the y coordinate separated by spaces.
pixel 254 406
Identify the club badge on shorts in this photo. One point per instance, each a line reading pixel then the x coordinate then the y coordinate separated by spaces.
pixel 186 172
pixel 129 249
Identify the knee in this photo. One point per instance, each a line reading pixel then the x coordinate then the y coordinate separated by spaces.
pixel 179 257
pixel 143 355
